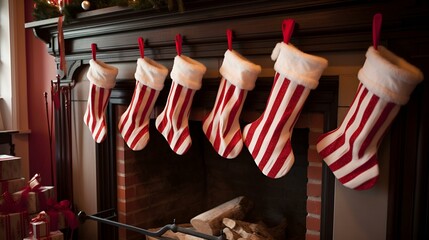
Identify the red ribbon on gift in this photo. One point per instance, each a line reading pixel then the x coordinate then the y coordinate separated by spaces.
pixel 10 206
pixel 34 185
pixel 41 217
pixel 61 46
pixel 63 206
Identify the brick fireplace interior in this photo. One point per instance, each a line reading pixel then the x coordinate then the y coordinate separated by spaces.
pixel 156 186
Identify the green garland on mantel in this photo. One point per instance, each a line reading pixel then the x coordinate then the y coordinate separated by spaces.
pixel 44 9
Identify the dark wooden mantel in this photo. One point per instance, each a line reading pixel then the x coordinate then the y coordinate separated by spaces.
pixel 322 26
pixel 329 25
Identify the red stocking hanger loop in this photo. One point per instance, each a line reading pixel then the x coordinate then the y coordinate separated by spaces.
pixel 229 37
pixel 94 51
pixel 287 28
pixel 141 47
pixel 376 27
pixel 179 44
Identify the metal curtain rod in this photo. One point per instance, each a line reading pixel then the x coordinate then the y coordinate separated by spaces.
pixel 158 234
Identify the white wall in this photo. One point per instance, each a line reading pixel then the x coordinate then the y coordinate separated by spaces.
pixel 84 165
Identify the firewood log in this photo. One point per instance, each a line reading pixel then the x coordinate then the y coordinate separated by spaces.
pixel 239 227
pixel 169 234
pixel 231 234
pixel 252 237
pixel 256 237
pixel 190 237
pixel 248 230
pixel 210 222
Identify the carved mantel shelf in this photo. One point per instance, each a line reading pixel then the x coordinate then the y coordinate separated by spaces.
pixel 321 26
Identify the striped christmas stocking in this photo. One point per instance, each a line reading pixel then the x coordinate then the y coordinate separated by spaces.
pixel 102 78
pixel 221 125
pixel 350 151
pixel 172 123
pixel 134 123
pixel 268 138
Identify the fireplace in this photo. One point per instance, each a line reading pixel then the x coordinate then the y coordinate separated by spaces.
pixel 330 28
pixel 155 185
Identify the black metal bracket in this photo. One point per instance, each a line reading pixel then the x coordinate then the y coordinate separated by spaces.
pixel 158 234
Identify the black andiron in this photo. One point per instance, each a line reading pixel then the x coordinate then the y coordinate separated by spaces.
pixel 158 234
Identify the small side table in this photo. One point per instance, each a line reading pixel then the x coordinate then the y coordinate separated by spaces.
pixel 6 138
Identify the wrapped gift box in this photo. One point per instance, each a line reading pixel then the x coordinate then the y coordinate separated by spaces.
pixel 13 226
pixel 33 204
pixel 10 167
pixel 57 235
pixel 40 225
pixel 60 221
pixel 40 229
pixel 12 185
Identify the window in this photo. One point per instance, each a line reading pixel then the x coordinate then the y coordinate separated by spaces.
pixel 12 66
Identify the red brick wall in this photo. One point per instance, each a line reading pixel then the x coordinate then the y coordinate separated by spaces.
pixel 314 122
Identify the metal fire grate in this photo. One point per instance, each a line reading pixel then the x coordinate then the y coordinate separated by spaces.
pixel 158 234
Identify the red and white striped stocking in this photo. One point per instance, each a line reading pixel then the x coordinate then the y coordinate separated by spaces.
pixel 268 138
pixel 134 123
pixel 102 79
pixel 172 123
pixel 350 151
pixel 221 125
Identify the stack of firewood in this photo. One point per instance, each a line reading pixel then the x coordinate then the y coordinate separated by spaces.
pixel 228 219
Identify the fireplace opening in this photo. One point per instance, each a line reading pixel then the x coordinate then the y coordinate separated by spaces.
pixel 161 186
pixel 155 186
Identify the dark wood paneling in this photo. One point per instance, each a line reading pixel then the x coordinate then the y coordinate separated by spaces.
pixel 408 209
pixel 106 175
pixel 63 151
